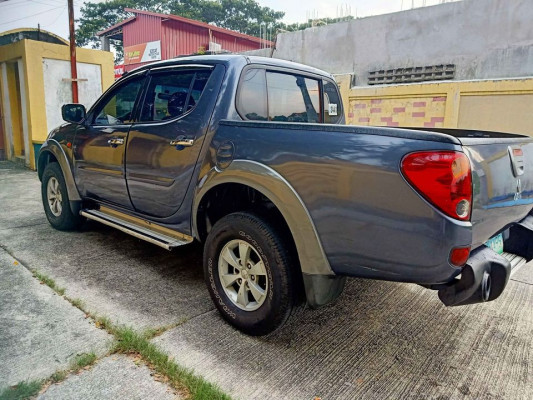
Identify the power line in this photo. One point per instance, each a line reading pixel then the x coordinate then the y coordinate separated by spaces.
pixel 63 1
pixel 28 16
pixel 41 2
pixel 55 20
pixel 7 4
pixel 10 4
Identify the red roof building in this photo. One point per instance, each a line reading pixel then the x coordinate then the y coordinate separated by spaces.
pixel 149 36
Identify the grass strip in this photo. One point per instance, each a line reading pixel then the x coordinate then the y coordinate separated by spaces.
pixel 182 379
pixel 155 332
pixel 22 390
pixel 84 360
pixel 46 280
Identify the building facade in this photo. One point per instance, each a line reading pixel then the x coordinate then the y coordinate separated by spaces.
pixel 149 36
pixel 35 81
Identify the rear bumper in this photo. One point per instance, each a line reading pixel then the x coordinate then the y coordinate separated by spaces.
pixel 482 279
pixel 486 273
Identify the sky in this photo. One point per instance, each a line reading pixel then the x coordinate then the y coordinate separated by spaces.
pixel 53 14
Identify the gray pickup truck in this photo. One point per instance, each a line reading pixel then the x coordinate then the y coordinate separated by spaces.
pixel 251 157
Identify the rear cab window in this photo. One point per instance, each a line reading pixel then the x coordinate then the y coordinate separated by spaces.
pixel 272 95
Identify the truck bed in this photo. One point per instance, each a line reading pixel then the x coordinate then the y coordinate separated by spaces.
pixel 349 178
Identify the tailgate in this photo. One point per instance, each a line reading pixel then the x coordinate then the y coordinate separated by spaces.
pixel 502 179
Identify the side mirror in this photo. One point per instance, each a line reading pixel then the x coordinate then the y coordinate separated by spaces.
pixel 74 113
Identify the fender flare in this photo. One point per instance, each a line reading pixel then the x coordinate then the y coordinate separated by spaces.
pixel 53 147
pixel 313 260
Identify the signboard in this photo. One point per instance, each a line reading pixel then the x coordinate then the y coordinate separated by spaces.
pixel 215 47
pixel 143 52
pixel 119 71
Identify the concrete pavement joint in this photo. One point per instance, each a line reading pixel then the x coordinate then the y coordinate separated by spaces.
pixel 200 315
pixel 25 390
pixel 42 335
pixel 128 341
pixel 120 377
pixel 525 283
pixel 151 333
pixel 83 361
pixel 23 226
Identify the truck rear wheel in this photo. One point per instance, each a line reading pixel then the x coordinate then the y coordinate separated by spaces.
pixel 247 269
pixel 55 200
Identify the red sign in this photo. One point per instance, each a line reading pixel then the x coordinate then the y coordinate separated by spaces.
pixel 119 71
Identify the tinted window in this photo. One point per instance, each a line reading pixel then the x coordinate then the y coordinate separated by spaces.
pixel 172 94
pixel 118 107
pixel 332 103
pixel 252 100
pixel 293 98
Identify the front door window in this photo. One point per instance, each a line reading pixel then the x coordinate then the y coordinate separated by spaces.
pixel 118 108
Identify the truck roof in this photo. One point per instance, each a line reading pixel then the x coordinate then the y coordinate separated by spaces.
pixel 234 60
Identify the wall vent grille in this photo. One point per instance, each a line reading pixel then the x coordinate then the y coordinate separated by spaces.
pixel 412 74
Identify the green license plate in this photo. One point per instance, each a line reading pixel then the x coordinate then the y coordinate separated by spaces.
pixel 496 243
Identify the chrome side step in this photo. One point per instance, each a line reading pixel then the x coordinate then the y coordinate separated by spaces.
pixel 516 261
pixel 135 229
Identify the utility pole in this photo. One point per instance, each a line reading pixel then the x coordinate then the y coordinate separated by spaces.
pixel 73 70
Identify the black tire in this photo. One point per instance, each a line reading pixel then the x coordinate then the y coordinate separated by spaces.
pixel 281 294
pixel 63 220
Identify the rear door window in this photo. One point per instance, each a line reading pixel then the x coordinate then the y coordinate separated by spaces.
pixel 293 98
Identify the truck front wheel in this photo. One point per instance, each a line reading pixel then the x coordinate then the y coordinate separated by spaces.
pixel 248 273
pixel 55 199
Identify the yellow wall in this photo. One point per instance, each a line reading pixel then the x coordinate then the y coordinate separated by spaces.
pixel 32 53
pixel 497 105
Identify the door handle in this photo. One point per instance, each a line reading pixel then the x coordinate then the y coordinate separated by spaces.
pixel 182 142
pixel 115 142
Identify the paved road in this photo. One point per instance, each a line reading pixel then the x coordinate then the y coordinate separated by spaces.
pixel 381 339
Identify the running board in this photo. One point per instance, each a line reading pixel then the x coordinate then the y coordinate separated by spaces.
pixel 134 226
pixel 516 261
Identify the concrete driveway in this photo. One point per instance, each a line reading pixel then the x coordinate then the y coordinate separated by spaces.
pixel 380 340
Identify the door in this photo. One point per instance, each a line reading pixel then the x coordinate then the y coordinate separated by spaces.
pixel 99 145
pixel 163 146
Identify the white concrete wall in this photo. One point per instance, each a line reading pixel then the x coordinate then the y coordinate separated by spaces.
pixel 24 112
pixel 483 38
pixel 58 91
pixel 6 112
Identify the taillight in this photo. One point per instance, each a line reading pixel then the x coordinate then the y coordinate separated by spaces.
pixel 444 178
pixel 459 256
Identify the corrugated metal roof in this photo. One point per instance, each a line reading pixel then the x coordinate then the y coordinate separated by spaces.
pixel 186 21
pixel 144 29
pixel 112 28
pixel 200 24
